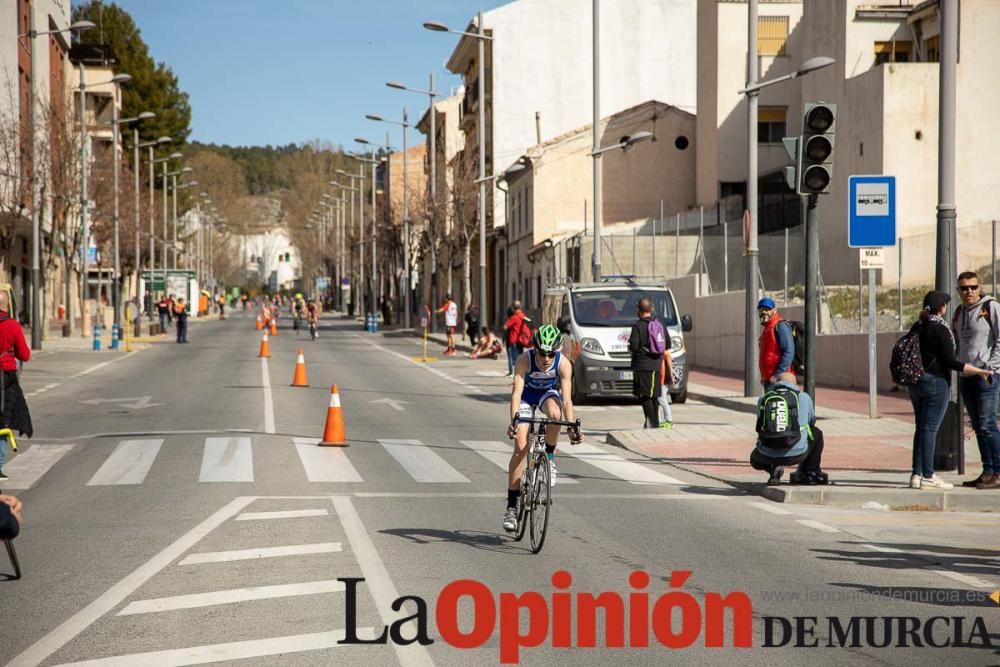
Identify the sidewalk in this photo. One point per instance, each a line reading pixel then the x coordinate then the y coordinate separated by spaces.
pixel 868 460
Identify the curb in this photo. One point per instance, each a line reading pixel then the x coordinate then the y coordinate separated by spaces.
pixel 853 497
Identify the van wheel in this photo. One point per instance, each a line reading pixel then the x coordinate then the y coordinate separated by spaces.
pixel 578 397
pixel 680 397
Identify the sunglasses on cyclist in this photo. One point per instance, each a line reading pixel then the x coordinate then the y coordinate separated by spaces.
pixel 968 288
pixel 547 355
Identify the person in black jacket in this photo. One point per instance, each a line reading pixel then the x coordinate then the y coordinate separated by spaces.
pixel 929 394
pixel 645 365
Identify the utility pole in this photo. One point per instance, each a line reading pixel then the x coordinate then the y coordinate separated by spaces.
pixel 596 47
pixel 751 371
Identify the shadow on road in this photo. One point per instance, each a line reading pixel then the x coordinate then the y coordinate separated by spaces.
pixel 472 538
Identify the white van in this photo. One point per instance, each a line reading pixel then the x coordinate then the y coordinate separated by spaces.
pixel 596 320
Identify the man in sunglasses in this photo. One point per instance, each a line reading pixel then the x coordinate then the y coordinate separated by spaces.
pixel 976 325
pixel 543 379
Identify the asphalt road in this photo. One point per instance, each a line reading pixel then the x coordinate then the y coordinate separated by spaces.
pixel 178 511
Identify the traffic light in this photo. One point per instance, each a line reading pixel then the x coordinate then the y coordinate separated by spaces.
pixel 792 171
pixel 815 149
pixel 288 256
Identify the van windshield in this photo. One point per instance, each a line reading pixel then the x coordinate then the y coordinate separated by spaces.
pixel 617 308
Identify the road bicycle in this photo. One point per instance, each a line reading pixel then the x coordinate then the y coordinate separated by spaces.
pixel 312 329
pixel 535 501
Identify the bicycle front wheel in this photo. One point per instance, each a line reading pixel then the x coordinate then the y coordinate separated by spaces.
pixel 523 505
pixel 541 502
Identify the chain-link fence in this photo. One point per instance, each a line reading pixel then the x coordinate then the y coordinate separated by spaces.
pixel 710 241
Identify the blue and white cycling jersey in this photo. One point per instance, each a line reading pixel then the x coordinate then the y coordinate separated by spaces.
pixel 540 384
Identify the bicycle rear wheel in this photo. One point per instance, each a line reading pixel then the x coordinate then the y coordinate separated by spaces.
pixel 541 501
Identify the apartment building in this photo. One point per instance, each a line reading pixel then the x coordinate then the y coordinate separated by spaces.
pixel 550 195
pixel 538 73
pixel 17 93
pixel 885 85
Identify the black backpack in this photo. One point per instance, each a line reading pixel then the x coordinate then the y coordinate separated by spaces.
pixel 799 337
pixel 906 365
pixel 778 418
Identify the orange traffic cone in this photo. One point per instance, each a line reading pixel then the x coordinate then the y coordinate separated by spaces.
pixel 333 432
pixel 274 328
pixel 265 347
pixel 260 325
pixel 299 379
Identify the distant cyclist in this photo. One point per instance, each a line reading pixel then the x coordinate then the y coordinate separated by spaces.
pixel 542 380
pixel 299 310
pixel 312 318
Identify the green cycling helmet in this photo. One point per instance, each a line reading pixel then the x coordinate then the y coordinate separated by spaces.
pixel 548 339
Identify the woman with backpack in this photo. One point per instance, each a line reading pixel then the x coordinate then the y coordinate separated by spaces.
pixel 929 394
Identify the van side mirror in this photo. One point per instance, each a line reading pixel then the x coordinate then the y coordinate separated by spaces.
pixel 563 325
pixel 687 324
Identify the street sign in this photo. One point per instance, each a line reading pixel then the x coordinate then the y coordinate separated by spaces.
pixel 872 211
pixel 872 258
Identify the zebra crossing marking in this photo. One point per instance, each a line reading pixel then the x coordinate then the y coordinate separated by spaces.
pixel 423 464
pixel 28 467
pixel 129 463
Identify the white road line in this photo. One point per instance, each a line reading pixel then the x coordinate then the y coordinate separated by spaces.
pixel 262 552
pixel 268 398
pixel 769 507
pixel 565 496
pixel 28 467
pixel 95 367
pixel 227 460
pixel 56 639
pixel 216 598
pixel 200 655
pixel 289 514
pixel 499 453
pixel 965 579
pixel 325 464
pixel 422 463
pixel 129 463
pixel 42 390
pixel 615 465
pixel 816 525
pixel 377 578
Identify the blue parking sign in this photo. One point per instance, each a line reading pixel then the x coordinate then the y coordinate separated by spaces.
pixel 872 211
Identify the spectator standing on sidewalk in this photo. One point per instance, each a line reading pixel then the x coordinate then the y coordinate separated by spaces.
pixel 181 315
pixel 472 323
pixel 512 334
pixel 450 310
pixel 646 384
pixel 929 394
pixel 163 310
pixel 666 380
pixel 14 412
pixel 976 326
pixel 777 346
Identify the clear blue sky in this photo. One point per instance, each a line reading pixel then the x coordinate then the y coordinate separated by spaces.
pixel 288 71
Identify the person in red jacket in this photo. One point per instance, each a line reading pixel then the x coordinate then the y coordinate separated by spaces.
pixel 13 408
pixel 777 346
pixel 512 329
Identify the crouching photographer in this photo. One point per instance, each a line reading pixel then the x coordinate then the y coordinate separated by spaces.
pixel 787 435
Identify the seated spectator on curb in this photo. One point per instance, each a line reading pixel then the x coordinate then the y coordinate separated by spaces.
pixel 787 434
pixel 489 346
pixel 10 517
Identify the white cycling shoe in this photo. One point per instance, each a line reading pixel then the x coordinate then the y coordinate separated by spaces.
pixel 510 520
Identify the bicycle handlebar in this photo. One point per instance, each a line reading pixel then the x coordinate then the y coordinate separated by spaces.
pixel 545 421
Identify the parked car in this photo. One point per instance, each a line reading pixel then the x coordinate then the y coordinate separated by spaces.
pixel 597 318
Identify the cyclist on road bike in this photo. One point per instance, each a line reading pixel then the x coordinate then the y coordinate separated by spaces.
pixel 542 380
pixel 312 318
pixel 299 310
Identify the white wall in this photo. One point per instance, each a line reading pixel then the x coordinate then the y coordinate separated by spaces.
pixel 543 63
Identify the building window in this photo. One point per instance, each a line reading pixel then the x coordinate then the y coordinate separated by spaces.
pixel 893 52
pixel 771 124
pixel 772 35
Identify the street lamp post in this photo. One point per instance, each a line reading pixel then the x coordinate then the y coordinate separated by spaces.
pixel 374 162
pixel 406 220
pixel 481 38
pixel 598 204
pixel 751 372
pixel 137 167
pixel 433 164
pixel 84 186
pixel 36 233
pixel 152 213
pixel 360 190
